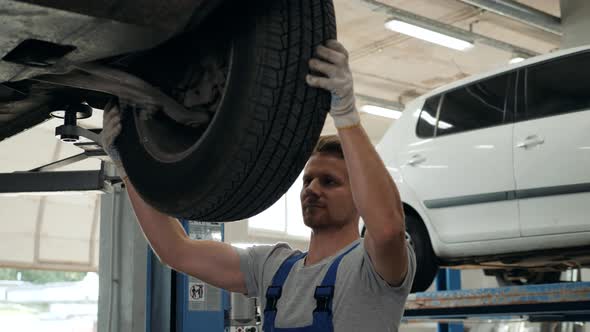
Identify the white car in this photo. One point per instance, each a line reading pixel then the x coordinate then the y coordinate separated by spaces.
pixel 494 171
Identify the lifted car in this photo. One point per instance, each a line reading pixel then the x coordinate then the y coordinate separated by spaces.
pixel 218 120
pixel 493 171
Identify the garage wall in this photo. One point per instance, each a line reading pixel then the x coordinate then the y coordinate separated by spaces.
pixel 47 232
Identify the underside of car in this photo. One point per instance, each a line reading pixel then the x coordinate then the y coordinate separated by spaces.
pixel 47 39
pixel 551 260
pixel 531 267
pixel 191 79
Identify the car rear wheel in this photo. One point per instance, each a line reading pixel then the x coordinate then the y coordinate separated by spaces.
pixel 243 78
pixel 426 264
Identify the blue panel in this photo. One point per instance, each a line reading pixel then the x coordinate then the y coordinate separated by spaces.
pixel 165 307
pixel 158 295
pixel 192 320
pixel 195 321
pixel 449 280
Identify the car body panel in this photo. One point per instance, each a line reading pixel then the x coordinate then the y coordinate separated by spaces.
pixel 515 251
pixel 91 30
pixel 94 33
pixel 445 175
pixel 554 164
pixel 388 149
pixel 162 15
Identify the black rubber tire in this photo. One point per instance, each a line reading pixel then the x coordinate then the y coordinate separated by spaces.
pixel 426 262
pixel 264 129
pixel 534 278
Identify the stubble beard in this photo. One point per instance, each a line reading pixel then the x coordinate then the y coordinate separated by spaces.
pixel 319 221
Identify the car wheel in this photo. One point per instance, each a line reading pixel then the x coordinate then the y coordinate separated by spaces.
pixel 426 265
pixel 244 73
pixel 426 262
pixel 523 277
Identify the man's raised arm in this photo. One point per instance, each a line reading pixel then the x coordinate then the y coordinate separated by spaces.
pixel 375 195
pixel 215 263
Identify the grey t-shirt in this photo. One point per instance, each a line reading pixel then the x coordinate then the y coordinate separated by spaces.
pixel 363 301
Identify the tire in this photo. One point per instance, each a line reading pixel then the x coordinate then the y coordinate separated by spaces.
pixel 426 262
pixel 263 124
pixel 526 277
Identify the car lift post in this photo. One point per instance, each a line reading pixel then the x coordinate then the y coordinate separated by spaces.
pixel 178 302
pixel 200 306
pixel 448 279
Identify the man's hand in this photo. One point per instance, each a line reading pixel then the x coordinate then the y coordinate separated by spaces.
pixel 332 61
pixel 111 128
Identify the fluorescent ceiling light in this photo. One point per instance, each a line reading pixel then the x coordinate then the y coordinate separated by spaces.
pixel 516 60
pixel 381 111
pixel 428 35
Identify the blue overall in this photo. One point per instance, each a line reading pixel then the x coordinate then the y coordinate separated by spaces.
pixel 322 315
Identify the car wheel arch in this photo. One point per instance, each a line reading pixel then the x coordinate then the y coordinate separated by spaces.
pixel 434 239
pixel 427 262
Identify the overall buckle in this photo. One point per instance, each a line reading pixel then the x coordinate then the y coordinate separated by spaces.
pixel 273 294
pixel 323 296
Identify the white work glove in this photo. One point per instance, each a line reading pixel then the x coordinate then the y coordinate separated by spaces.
pixel 332 61
pixel 111 128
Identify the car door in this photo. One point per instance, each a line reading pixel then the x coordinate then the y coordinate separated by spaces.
pixel 552 147
pixel 460 162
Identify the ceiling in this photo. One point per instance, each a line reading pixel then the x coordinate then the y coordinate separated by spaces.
pixel 386 65
pixel 398 68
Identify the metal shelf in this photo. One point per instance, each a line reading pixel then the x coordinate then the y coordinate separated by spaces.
pixel 551 302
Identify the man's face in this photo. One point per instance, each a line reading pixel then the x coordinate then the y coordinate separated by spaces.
pixel 326 199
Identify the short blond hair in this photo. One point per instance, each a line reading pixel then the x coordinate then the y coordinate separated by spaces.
pixel 329 145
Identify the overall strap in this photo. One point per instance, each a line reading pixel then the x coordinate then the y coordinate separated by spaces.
pixel 283 272
pixel 325 292
pixel 275 290
pixel 322 315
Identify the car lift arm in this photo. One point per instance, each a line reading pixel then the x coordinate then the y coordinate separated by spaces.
pixel 568 301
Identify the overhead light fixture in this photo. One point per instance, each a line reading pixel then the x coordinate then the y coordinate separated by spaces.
pixel 516 60
pixel 428 35
pixel 381 111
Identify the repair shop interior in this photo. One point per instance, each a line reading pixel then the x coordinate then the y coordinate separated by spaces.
pixel 295 165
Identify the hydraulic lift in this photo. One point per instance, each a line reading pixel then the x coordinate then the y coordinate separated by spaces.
pixel 560 302
pixel 550 302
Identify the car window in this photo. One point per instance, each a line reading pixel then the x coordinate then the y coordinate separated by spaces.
pixel 427 119
pixel 557 87
pixel 478 105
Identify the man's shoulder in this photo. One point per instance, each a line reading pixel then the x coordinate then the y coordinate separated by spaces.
pixel 270 253
pixel 281 250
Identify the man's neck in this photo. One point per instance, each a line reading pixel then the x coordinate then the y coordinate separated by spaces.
pixel 327 242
